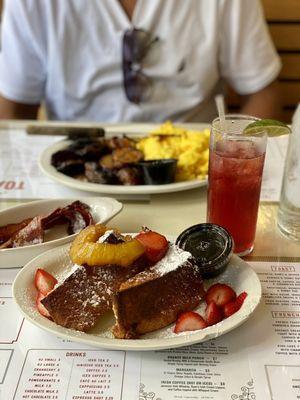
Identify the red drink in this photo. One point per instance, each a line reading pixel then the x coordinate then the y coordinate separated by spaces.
pixel 235 175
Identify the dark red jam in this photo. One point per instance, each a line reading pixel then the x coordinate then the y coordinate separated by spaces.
pixel 210 244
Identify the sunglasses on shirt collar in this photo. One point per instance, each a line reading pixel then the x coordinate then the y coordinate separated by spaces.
pixel 136 44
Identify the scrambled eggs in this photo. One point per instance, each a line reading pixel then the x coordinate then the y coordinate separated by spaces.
pixel 189 147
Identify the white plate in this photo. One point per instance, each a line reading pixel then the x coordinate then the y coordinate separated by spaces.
pixel 239 275
pixel 51 172
pixel 102 210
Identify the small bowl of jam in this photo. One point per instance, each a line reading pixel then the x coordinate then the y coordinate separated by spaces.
pixel 210 244
pixel 158 172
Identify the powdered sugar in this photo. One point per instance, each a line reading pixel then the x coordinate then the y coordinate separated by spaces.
pixel 95 300
pixel 174 258
pixel 105 236
pixel 65 273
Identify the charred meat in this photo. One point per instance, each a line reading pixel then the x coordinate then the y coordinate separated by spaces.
pixel 104 161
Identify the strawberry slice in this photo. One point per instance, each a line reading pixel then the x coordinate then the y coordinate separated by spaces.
pixel 155 244
pixel 213 314
pixel 41 308
pixel 233 306
pixel 230 308
pixel 220 294
pixel 189 321
pixel 241 298
pixel 44 282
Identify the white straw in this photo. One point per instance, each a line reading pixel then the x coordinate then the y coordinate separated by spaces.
pixel 219 99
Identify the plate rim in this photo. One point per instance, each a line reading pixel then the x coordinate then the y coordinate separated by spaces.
pixel 52 173
pixel 134 344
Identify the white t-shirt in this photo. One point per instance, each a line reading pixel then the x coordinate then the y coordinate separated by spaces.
pixel 68 53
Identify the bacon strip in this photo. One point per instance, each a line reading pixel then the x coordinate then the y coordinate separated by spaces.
pixel 7 231
pixel 32 233
pixel 31 230
pixel 78 215
pixel 54 218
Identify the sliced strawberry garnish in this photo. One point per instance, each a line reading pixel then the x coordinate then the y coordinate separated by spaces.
pixel 44 282
pixel 230 308
pixel 155 244
pixel 213 314
pixel 41 308
pixel 220 294
pixel 233 306
pixel 241 298
pixel 189 321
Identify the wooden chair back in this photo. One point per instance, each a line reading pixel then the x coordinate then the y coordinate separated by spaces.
pixel 283 17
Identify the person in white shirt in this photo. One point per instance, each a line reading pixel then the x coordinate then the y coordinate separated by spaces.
pixel 134 60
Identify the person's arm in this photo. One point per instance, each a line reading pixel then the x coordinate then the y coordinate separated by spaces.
pixel 12 110
pixel 22 59
pixel 248 59
pixel 263 104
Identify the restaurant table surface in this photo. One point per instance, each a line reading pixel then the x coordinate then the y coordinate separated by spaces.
pixel 171 213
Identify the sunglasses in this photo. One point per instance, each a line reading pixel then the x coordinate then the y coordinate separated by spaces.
pixel 136 44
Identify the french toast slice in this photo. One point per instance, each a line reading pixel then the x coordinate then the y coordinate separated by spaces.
pixel 143 298
pixel 86 295
pixel 155 297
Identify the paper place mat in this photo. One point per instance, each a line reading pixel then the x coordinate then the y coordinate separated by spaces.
pixel 258 360
pixel 21 178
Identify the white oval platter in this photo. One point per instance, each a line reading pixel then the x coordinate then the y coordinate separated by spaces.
pixel 51 172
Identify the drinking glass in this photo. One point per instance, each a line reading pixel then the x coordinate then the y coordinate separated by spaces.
pixel 236 163
pixel 289 207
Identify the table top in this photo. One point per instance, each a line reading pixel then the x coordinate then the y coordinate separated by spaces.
pixel 174 212
pixel 262 370
pixel 171 213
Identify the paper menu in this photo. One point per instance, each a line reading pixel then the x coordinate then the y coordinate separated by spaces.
pixel 203 371
pixel 21 178
pixel 259 360
pixel 71 374
pixel 277 342
pixel 10 317
pixel 20 175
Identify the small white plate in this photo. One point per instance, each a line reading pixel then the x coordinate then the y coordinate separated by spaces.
pixel 102 210
pixel 239 275
pixel 51 172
